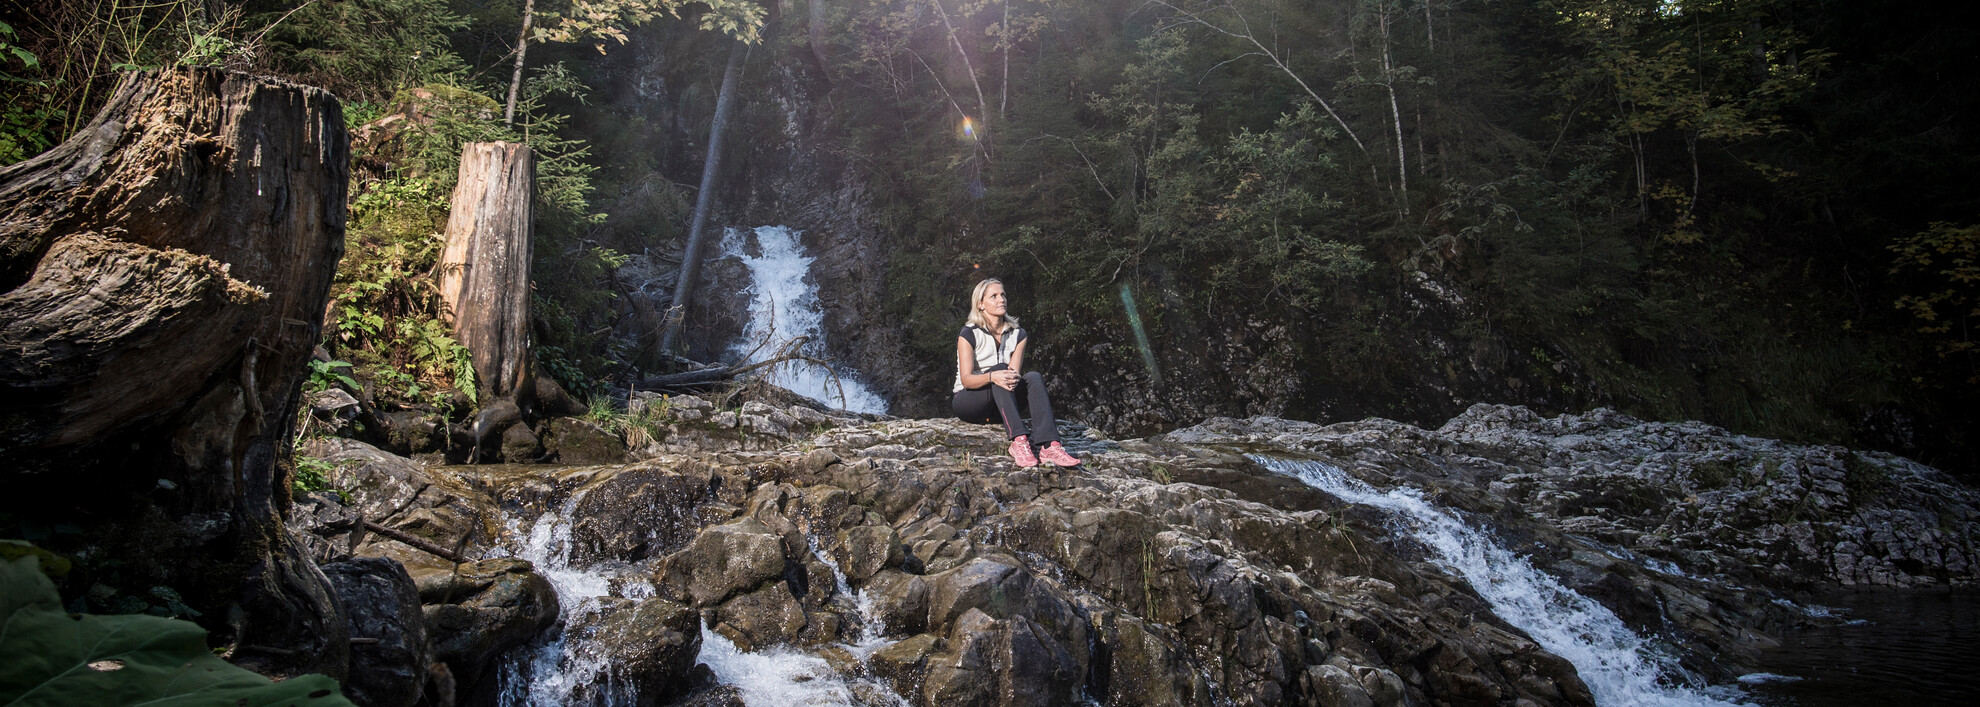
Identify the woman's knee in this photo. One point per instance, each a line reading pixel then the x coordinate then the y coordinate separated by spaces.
pixel 1035 378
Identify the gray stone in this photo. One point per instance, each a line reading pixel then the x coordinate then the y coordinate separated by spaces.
pixel 389 651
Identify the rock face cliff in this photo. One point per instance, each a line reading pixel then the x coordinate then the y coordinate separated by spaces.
pixel 1205 566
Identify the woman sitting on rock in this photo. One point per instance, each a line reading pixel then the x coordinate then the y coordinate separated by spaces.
pixel 990 384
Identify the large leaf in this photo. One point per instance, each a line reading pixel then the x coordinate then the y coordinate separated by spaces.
pixel 51 658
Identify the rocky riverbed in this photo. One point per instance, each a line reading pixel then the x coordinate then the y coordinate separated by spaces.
pixel 882 561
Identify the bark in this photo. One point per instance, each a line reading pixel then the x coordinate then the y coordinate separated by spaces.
pixel 163 275
pixel 691 258
pixel 484 268
pixel 522 49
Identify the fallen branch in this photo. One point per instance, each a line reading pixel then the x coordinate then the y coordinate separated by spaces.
pixel 416 542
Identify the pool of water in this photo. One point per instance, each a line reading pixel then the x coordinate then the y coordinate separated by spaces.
pixel 1912 649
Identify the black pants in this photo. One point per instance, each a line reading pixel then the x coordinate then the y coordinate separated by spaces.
pixel 990 403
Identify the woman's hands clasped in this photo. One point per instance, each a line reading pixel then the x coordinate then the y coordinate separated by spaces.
pixel 1006 379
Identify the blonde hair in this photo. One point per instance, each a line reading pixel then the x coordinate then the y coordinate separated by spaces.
pixel 976 315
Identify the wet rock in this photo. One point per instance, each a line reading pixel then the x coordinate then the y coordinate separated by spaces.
pixel 645 510
pixel 867 549
pixel 763 618
pixel 577 441
pixel 499 605
pixel 901 601
pixel 649 645
pixel 389 652
pixel 724 561
pixel 1001 662
pixel 904 664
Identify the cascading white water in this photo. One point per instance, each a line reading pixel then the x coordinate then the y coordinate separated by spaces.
pixel 782 677
pixel 783 307
pixel 1620 667
pixel 549 671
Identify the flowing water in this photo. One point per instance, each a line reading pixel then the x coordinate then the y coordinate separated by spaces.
pixel 556 669
pixel 782 307
pixel 1620 667
pixel 551 671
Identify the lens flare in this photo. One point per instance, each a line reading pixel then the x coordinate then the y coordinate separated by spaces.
pixel 969 128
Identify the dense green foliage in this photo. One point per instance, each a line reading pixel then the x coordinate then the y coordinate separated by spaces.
pixel 1758 213
pixel 51 657
pixel 1686 209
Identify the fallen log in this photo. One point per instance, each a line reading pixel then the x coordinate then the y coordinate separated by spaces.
pixel 417 542
pixel 717 376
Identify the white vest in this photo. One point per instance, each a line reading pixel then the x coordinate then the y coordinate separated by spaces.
pixel 988 351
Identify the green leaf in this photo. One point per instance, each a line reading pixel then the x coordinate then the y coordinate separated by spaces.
pixel 54 659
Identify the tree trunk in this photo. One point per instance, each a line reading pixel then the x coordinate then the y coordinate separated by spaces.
pixel 484 268
pixel 725 102
pixel 163 276
pixel 522 49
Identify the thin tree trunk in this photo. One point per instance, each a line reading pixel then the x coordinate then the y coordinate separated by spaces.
pixel 1395 113
pixel 484 268
pixel 691 258
pixel 1004 87
pixel 164 274
pixel 982 106
pixel 1429 31
pixel 522 48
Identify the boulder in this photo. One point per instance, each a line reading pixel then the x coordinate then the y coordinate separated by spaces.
pixel 722 562
pixel 577 441
pixel 635 512
pixel 389 651
pixel 865 550
pixel 505 605
pixel 766 617
pixel 1001 662
pixel 520 445
pixel 649 645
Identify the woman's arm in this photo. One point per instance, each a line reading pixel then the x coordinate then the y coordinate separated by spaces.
pixel 966 364
pixel 1017 360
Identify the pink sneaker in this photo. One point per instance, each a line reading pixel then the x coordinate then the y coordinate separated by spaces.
pixel 1057 454
pixel 1021 451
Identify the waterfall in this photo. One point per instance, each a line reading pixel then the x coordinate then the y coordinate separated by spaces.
pixel 1620 667
pixel 783 307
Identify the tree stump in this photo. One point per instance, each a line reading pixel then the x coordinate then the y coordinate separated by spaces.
pixel 484 269
pixel 163 275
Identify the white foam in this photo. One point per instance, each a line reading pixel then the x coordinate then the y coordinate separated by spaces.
pixel 779 677
pixel 549 671
pixel 1619 667
pixel 782 307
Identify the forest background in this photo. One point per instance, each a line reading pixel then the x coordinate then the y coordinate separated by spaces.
pixel 1758 213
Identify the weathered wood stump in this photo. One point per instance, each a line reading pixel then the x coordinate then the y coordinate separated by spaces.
pixel 163 275
pixel 484 268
